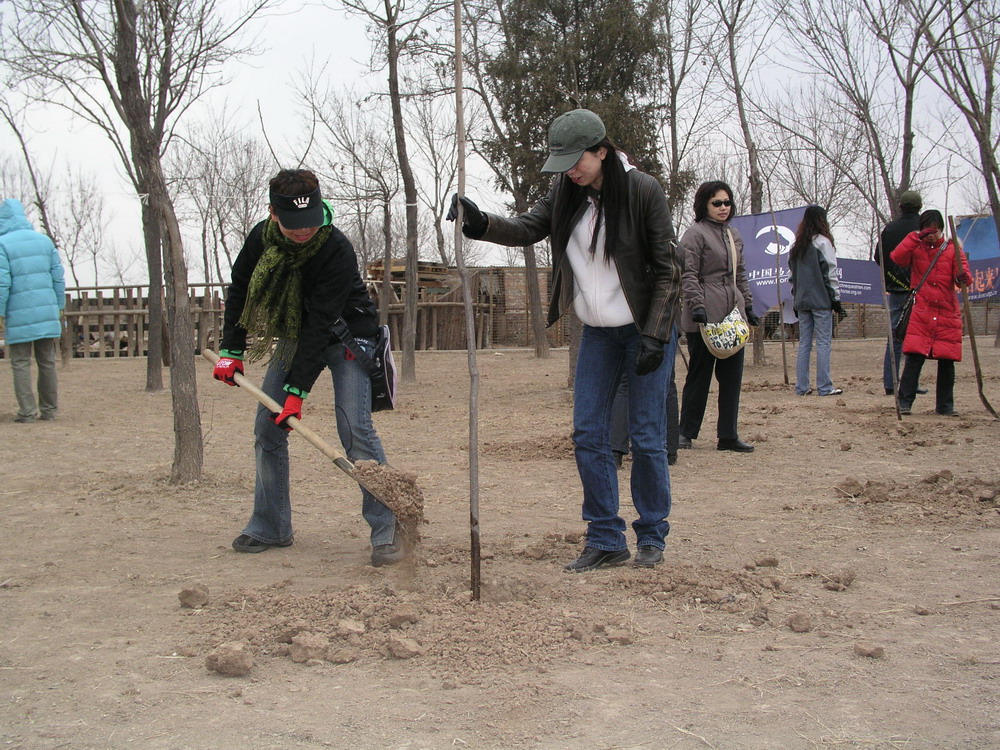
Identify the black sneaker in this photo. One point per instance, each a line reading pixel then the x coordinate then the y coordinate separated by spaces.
pixel 592 558
pixel 244 543
pixel 386 554
pixel 647 556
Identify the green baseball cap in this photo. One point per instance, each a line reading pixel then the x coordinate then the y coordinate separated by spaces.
pixel 911 199
pixel 571 134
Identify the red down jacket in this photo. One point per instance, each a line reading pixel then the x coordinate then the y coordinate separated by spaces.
pixel 935 328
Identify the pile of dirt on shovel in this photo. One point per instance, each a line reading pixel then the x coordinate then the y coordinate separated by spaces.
pixel 399 491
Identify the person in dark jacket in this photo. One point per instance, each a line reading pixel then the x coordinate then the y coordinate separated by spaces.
pixel 295 276
pixel 897 280
pixel 612 260
pixel 935 328
pixel 710 293
pixel 812 261
pixel 32 296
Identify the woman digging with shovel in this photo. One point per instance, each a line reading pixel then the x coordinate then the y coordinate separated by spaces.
pixel 295 276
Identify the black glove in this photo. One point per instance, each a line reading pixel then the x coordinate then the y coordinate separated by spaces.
pixel 473 219
pixel 698 315
pixel 649 356
pixel 839 309
pixel 752 319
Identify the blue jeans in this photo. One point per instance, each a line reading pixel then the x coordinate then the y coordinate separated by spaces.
pixel 271 521
pixel 897 301
pixel 818 325
pixel 606 355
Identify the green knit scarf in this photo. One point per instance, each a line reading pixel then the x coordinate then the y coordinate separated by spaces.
pixel 273 309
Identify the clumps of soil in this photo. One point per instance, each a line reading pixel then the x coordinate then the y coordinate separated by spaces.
pixel 195 597
pixel 838 581
pixel 231 659
pixel 939 494
pixel 399 491
pixel 534 614
pixel 446 630
pixel 729 591
pixel 553 448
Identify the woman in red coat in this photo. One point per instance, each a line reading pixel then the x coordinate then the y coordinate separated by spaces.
pixel 935 329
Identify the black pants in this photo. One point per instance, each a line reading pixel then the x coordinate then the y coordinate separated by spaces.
pixel 728 372
pixel 945 391
pixel 619 418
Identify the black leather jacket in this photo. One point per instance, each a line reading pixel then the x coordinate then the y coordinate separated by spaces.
pixel 331 289
pixel 649 267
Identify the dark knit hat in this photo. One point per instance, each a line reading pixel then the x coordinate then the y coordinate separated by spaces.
pixel 911 199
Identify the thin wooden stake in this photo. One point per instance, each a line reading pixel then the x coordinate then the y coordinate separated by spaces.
pixel 470 319
pixel 968 317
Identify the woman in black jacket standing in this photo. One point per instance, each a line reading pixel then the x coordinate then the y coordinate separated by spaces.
pixel 612 260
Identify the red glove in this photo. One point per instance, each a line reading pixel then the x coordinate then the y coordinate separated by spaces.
pixel 293 408
pixel 226 369
pixel 964 279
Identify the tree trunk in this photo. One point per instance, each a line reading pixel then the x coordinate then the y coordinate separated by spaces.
pixel 536 311
pixel 408 371
pixel 535 303
pixel 154 349
pixel 388 297
pixel 188 445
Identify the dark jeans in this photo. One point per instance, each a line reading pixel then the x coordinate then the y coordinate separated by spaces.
pixel 945 392
pixel 897 300
pixel 619 418
pixel 729 374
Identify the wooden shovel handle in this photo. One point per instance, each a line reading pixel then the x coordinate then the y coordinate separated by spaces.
pixel 325 448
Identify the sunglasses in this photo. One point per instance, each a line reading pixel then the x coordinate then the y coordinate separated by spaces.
pixel 718 204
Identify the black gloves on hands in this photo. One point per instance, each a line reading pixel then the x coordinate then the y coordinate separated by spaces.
pixel 752 319
pixel 474 221
pixel 649 356
pixel 698 315
pixel 839 309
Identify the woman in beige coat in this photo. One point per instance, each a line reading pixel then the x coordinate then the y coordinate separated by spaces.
pixel 709 296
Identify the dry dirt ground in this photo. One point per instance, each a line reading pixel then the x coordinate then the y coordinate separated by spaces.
pixel 838 588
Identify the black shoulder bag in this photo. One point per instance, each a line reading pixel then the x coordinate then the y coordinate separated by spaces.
pixel 380 366
pixel 899 332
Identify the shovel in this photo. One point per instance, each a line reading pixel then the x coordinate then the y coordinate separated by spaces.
pixel 339 459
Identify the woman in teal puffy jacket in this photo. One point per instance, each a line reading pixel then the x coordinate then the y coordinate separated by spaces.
pixel 32 294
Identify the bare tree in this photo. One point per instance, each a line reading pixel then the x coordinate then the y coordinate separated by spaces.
pixel 133 69
pixel 485 39
pixel 683 93
pixel 222 173
pixel 399 31
pixel 867 55
pixel 740 40
pixel 813 152
pixel 37 181
pixel 434 140
pixel 963 39
pixel 363 170
pixel 82 225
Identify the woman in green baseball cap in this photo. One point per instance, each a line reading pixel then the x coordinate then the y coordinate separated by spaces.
pixel 613 262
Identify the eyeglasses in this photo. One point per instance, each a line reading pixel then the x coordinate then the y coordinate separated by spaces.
pixel 719 204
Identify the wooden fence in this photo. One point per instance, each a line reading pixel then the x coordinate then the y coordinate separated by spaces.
pixel 114 321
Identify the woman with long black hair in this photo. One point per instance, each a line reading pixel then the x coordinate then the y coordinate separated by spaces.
pixel 812 261
pixel 612 261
